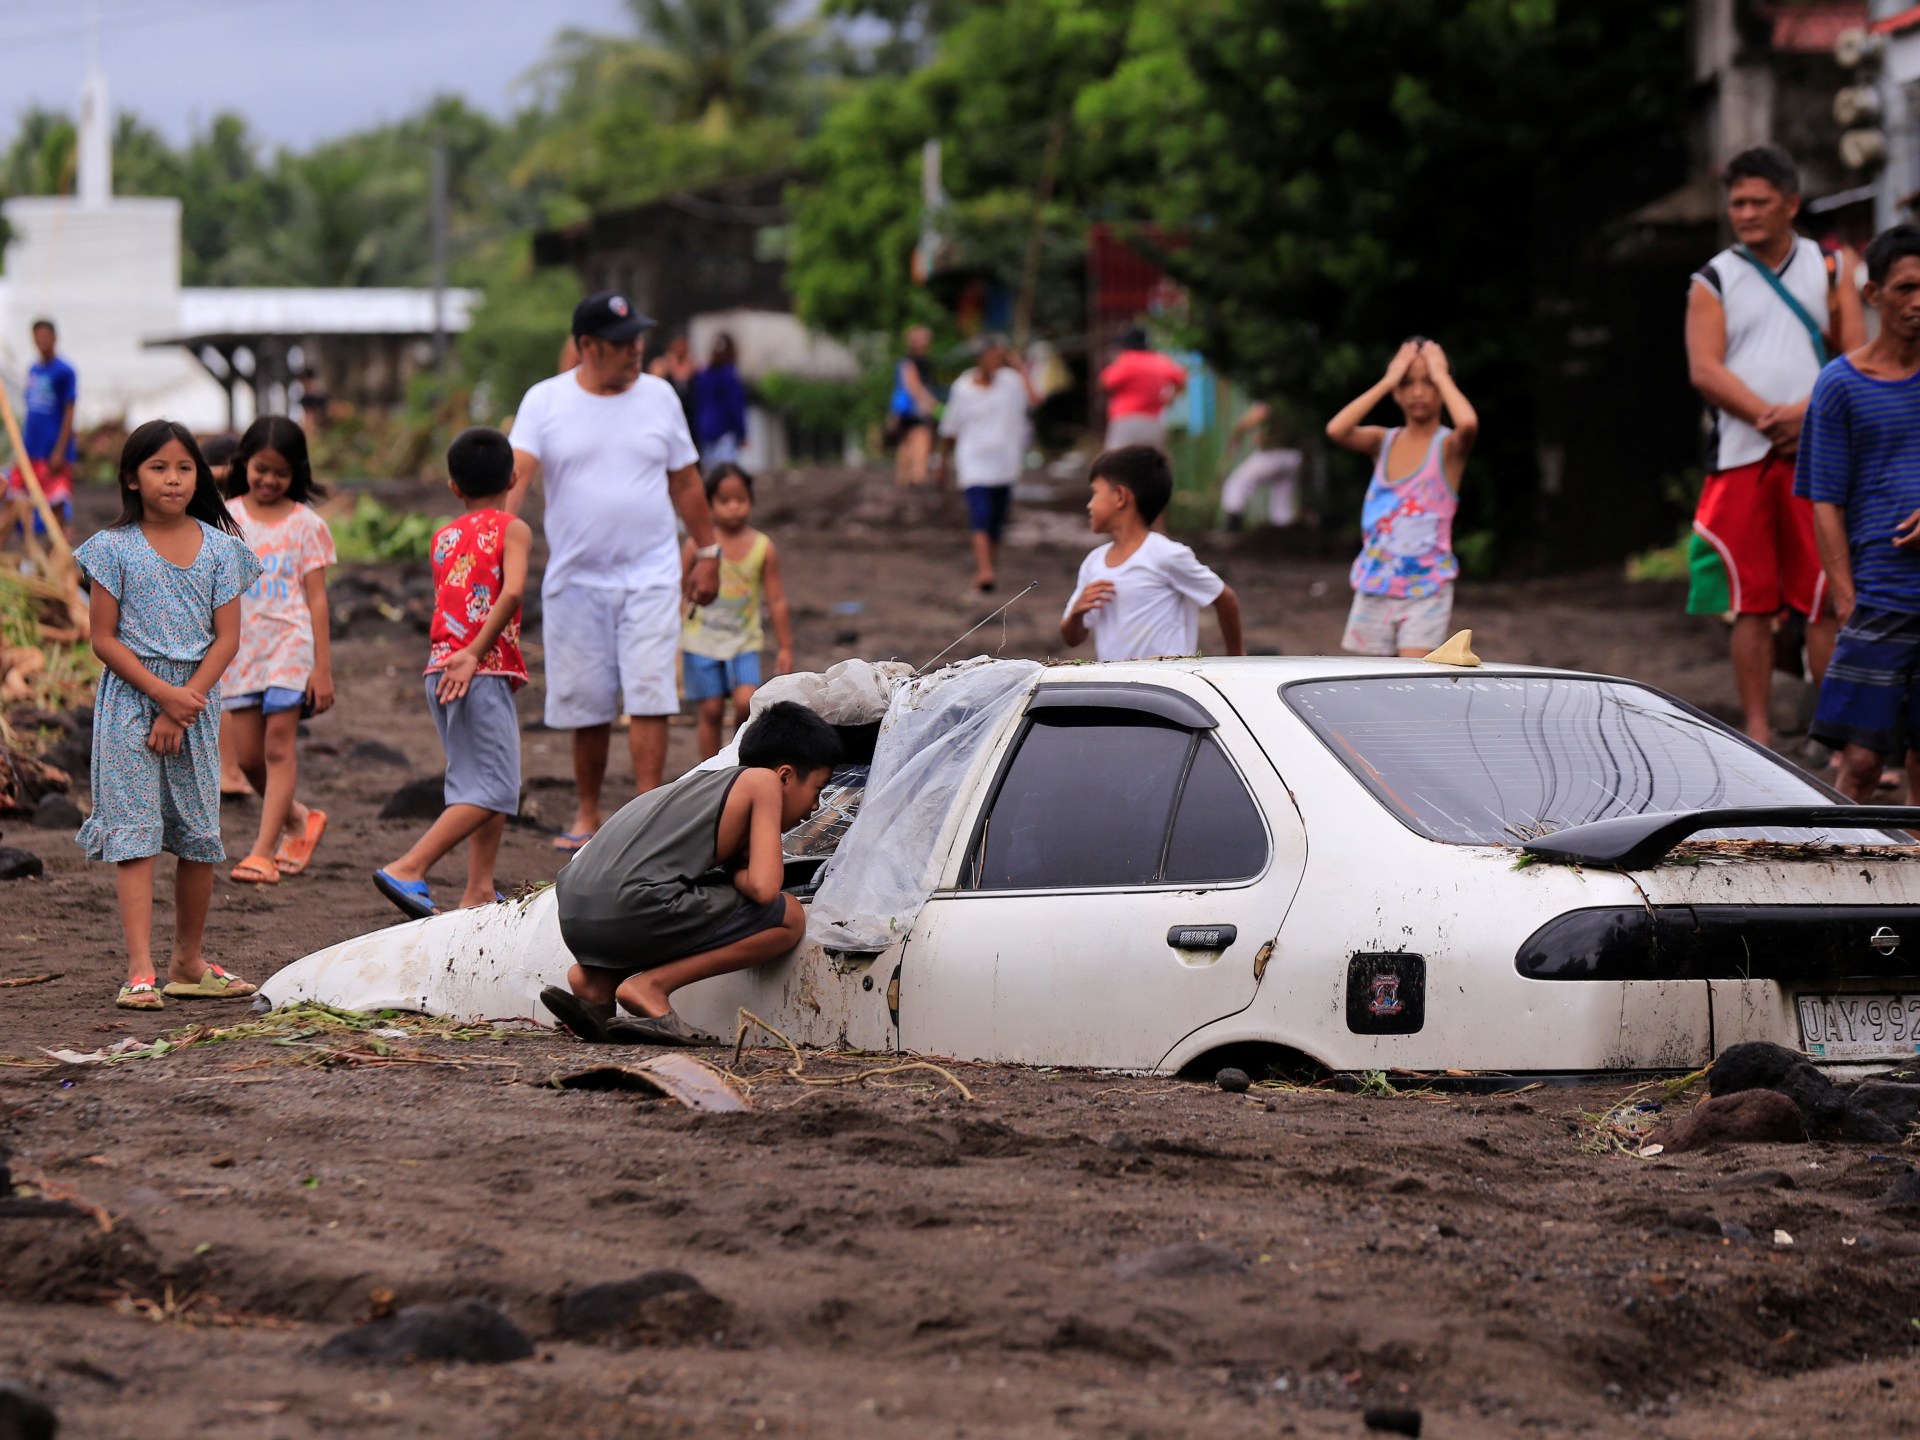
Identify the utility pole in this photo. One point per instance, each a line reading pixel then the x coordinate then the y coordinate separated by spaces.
pixel 439 254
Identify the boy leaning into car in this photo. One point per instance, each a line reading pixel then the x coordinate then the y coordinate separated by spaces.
pixel 1860 465
pixel 684 883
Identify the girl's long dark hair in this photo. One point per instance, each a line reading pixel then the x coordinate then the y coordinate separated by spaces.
pixel 286 439
pixel 142 445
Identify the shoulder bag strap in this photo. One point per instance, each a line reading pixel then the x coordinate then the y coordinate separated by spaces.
pixel 1799 311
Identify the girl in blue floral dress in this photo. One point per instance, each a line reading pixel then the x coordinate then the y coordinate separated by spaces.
pixel 167 577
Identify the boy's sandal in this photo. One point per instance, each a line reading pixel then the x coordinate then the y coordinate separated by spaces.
pixel 140 995
pixel 576 1015
pixel 255 871
pixel 411 898
pixel 571 840
pixel 296 850
pixel 667 1029
pixel 214 984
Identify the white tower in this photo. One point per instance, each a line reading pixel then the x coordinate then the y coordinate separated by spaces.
pixel 94 185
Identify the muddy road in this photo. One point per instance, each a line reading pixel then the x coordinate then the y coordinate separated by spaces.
pixel 1062 1255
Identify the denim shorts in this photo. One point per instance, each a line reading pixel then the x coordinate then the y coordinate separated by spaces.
pixel 274 700
pixel 707 679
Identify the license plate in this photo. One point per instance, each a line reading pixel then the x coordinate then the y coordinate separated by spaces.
pixel 1859 1027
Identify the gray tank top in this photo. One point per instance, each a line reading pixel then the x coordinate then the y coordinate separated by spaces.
pixel 651 868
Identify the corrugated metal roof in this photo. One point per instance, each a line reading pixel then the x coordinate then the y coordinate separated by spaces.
pixel 297 312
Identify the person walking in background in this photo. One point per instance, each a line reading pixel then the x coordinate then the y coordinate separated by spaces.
pixel 1860 466
pixel 218 450
pixel 51 393
pixel 473 669
pixel 913 410
pixel 284 666
pixel 720 405
pixel 1139 385
pixel 1403 577
pixel 617 461
pixel 986 425
pixel 167 577
pixel 1762 316
pixel 1272 463
pixel 677 367
pixel 720 644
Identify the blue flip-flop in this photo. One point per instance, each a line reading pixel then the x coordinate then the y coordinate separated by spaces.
pixel 410 897
pixel 568 842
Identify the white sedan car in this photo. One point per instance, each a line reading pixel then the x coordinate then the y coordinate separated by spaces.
pixel 1361 864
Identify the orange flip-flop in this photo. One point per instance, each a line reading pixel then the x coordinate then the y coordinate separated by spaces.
pixel 295 852
pixel 254 871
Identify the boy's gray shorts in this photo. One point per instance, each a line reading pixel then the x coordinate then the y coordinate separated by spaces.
pixel 481 734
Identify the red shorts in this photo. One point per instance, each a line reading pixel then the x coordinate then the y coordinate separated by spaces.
pixel 58 489
pixel 1764 535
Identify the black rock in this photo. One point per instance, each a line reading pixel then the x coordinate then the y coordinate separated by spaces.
pixel 422 799
pixel 57 812
pixel 1761 1065
pixel 466 1330
pixel 1903 1194
pixel 19 864
pixel 25 1416
pixel 616 1306
pixel 1234 1082
pixel 372 752
pixel 1392 1419
pixel 1879 1113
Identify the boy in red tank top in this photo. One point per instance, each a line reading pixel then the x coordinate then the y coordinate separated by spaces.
pixel 473 668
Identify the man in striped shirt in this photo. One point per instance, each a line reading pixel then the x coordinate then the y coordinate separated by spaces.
pixel 1860 465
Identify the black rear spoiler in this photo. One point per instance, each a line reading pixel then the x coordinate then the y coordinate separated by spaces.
pixel 1633 842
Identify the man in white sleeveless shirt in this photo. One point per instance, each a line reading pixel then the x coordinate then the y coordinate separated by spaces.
pixel 1762 318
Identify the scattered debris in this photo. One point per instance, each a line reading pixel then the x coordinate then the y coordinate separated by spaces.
pixel 658 1307
pixel 1188 1260
pixel 350 1038
pixel 748 1020
pixel 694 1083
pixel 16 983
pixel 467 1330
pixel 1234 1082
pixel 1782 1239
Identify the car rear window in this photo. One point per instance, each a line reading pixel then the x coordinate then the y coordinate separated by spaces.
pixel 1497 759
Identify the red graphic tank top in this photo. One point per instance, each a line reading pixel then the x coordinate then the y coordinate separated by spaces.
pixel 466 581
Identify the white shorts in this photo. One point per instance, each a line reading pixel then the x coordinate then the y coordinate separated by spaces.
pixel 1137 430
pixel 1279 471
pixel 609 651
pixel 1384 625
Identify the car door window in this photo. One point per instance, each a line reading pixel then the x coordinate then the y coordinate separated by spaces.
pixel 1217 832
pixel 1086 801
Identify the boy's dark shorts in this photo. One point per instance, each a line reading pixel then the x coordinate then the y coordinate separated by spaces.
pixel 1871 694
pixel 593 941
pixel 988 507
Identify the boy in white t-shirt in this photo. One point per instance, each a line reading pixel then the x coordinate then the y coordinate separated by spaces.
pixel 1141 595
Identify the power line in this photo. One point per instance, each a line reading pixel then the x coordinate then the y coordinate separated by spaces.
pixel 164 16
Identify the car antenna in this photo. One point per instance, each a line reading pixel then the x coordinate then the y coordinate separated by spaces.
pixel 1031 586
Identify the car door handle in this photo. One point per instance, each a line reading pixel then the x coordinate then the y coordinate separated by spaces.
pixel 1202 937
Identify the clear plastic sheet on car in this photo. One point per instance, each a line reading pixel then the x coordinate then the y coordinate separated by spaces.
pixel 932 743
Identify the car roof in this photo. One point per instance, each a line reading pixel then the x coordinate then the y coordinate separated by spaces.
pixel 1278 670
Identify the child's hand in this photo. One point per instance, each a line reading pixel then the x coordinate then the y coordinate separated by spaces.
pixel 1094 597
pixel 783 661
pixel 457 677
pixel 1436 359
pixel 1906 535
pixel 320 691
pixel 166 735
pixel 1403 359
pixel 181 705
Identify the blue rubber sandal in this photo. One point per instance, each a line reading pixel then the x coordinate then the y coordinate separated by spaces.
pixel 410 897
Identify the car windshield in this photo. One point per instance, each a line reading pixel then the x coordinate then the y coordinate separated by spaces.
pixel 1499 759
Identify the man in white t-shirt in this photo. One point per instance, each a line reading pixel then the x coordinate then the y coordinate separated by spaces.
pixel 612 447
pixel 985 425
pixel 1140 596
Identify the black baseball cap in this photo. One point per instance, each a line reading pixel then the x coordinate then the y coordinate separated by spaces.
pixel 608 316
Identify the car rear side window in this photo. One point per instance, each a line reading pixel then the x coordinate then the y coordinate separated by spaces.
pixel 1099 798
pixel 1497 759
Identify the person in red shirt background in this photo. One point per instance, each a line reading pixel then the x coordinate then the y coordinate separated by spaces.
pixel 1140 385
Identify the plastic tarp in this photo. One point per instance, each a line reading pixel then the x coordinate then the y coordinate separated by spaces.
pixel 854 692
pixel 931 742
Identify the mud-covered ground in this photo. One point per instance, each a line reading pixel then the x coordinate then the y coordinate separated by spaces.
pixel 893 1258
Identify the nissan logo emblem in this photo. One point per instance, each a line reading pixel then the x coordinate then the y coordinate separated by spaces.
pixel 1885 940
